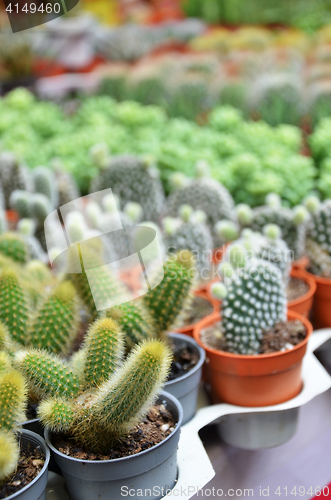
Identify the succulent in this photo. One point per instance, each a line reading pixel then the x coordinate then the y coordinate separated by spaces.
pixel 203 194
pixel 19 201
pixel 13 399
pixel 45 183
pixel 318 241
pixel 14 246
pixel 189 97
pixel 3 222
pixel 292 223
pixel 66 185
pixel 13 176
pixel 133 180
pixel 99 403
pixel 253 300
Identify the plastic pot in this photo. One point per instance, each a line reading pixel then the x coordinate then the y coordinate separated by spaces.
pixel 322 301
pixel 303 304
pixel 36 489
pixel 301 263
pixel 186 387
pixel 153 468
pixel 261 380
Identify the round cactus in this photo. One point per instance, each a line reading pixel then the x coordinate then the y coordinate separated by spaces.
pixel 13 245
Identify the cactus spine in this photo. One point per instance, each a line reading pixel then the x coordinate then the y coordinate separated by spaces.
pixel 14 306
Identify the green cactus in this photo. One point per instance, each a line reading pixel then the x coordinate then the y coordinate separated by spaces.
pixel 169 301
pixel 55 325
pixel 5 341
pixel 14 306
pixel 135 321
pixel 134 180
pixel 66 185
pixel 254 299
pixel 45 183
pixel 39 207
pixel 98 420
pixel 318 242
pixel 13 399
pixel 5 362
pixel 3 222
pixel 13 176
pixel 19 201
pixel 13 245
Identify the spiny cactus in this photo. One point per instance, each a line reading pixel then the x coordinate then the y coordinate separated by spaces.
pixel 3 222
pixel 5 361
pixel 135 321
pixel 135 180
pixel 190 235
pixel 318 242
pixel 56 321
pixel 19 201
pixel 14 305
pixel 169 301
pixel 13 399
pixel 13 176
pixel 66 185
pixel 203 194
pixel 45 183
pixel 292 223
pixel 13 245
pixel 254 299
pixel 224 232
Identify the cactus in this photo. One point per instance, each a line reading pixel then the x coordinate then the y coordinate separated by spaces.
pixel 13 245
pixel 318 242
pixel 66 186
pixel 5 361
pixel 203 194
pixel 13 176
pixel 225 231
pixel 169 301
pixel 19 201
pixel 98 421
pixel 56 321
pixel 189 98
pixel 13 399
pixel 14 306
pixel 254 299
pixel 135 321
pixel 292 223
pixel 3 222
pixel 45 183
pixel 193 236
pixel 26 227
pixel 133 180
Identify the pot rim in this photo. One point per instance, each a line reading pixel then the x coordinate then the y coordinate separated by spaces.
pixel 163 394
pixel 203 294
pixel 300 274
pixel 318 279
pixel 200 349
pixel 47 453
pixel 216 317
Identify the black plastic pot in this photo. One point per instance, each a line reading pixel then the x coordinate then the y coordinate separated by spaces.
pixel 154 469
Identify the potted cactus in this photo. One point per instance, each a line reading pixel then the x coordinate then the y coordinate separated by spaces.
pixel 18 447
pixel 318 249
pixel 94 409
pixel 255 354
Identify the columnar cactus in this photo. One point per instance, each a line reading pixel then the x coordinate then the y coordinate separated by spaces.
pixel 14 305
pixel 133 180
pixel 318 242
pixel 169 301
pixel 203 194
pixel 19 201
pixel 254 299
pixel 3 222
pixel 13 245
pixel 102 401
pixel 292 222
pixel 13 399
pixel 66 186
pixel 13 176
pixel 55 324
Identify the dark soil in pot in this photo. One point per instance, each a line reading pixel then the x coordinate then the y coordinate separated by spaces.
pixel 31 412
pixel 296 288
pixel 31 462
pixel 185 358
pixel 154 428
pixel 281 337
pixel 199 309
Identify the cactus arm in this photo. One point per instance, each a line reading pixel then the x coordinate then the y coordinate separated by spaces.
pixel 13 398
pixel 57 414
pixel 9 454
pixel 14 306
pixel 5 362
pixel 47 374
pixel 13 245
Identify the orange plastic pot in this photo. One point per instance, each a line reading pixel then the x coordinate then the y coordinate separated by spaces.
pixel 303 304
pixel 218 254
pixel 301 263
pixel 261 380
pixel 322 301
pixel 188 329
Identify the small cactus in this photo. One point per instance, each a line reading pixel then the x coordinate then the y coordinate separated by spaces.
pixel 13 245
pixel 45 183
pixel 318 242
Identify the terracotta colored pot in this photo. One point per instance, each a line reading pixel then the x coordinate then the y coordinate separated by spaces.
pixel 12 219
pixel 188 329
pixel 218 254
pixel 132 278
pixel 322 301
pixel 301 263
pixel 261 380
pixel 302 305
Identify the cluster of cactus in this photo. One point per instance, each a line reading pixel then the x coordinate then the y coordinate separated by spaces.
pixel 318 241
pixel 13 176
pixel 133 180
pixel 292 222
pixel 13 400
pixel 202 193
pixel 190 232
pixel 253 300
pixel 97 397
